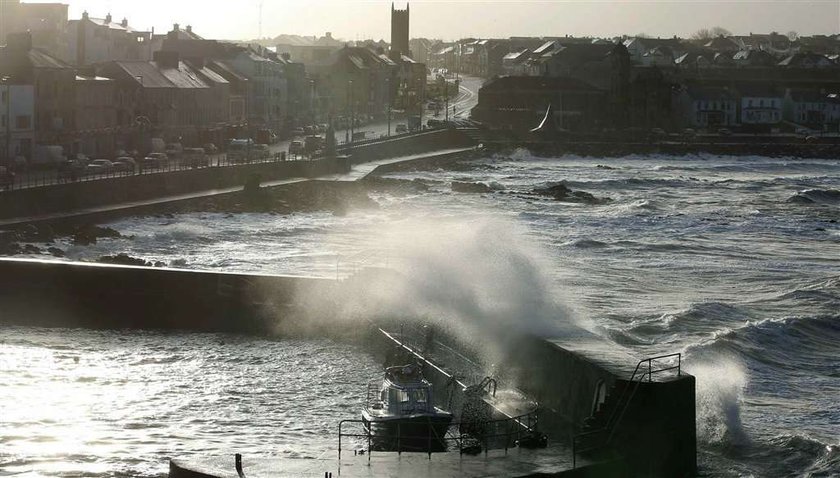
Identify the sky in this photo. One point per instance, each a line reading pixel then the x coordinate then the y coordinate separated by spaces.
pixel 356 19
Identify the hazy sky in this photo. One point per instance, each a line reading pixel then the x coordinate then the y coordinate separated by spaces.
pixel 352 19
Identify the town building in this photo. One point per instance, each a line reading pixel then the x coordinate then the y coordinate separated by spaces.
pixel 707 108
pixel 92 40
pixel 45 22
pixel 400 21
pixel 17 124
pixel 307 50
pixel 95 122
pixel 761 107
pixel 809 108
pixel 54 82
pixel 181 101
pixel 521 102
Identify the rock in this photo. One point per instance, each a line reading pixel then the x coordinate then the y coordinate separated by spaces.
pixel 463 187
pixel 123 260
pixel 561 192
pixel 160 264
pixel 56 252
pixel 30 249
pixel 10 249
pixel 88 235
pixel 179 263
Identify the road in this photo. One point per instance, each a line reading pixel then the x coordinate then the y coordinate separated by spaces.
pixel 459 108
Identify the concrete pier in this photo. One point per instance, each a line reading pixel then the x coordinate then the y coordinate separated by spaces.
pixel 600 405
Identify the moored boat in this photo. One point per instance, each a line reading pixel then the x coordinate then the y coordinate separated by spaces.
pixel 402 415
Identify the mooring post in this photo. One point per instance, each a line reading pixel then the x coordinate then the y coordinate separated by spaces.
pixel 238 463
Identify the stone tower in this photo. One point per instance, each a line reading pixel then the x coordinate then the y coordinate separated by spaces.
pixel 8 16
pixel 399 32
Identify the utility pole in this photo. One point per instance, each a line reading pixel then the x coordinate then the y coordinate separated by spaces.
pixel 388 92
pixel 347 113
pixel 352 114
pixel 6 155
pixel 446 89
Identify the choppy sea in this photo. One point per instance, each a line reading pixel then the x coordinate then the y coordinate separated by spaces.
pixel 733 261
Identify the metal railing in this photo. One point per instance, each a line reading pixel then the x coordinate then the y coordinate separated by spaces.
pixel 35 178
pixel 623 403
pixel 497 433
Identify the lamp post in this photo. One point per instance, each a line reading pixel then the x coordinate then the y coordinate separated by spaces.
pixel 5 81
pixel 388 92
pixel 347 112
pixel 352 113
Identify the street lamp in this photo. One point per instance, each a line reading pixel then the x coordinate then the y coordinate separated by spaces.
pixel 347 112
pixel 388 92
pixel 5 81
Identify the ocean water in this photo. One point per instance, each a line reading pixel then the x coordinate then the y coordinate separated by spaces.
pixel 733 261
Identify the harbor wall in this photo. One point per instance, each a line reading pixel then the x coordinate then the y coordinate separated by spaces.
pixel 656 435
pixel 89 194
pixel 408 145
pixel 63 294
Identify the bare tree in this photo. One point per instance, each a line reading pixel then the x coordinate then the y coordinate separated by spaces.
pixel 710 33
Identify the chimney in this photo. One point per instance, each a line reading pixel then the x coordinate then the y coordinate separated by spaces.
pixel 20 42
pixel 189 28
pixel 124 23
pixel 176 28
pixel 329 35
pixel 85 15
pixel 108 18
pixel 167 59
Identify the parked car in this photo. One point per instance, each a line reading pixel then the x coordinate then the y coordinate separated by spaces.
pixel 260 151
pixel 689 133
pixel 210 148
pixel 125 164
pixel 154 161
pixel 297 132
pixel 174 149
pixel 195 158
pixel 725 132
pixel 296 147
pixel 99 166
pixel 658 133
pixel 402 128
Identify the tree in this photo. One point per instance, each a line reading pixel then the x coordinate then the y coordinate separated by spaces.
pixel 710 33
pixel 792 35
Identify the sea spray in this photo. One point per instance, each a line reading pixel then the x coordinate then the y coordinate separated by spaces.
pixel 480 279
pixel 721 382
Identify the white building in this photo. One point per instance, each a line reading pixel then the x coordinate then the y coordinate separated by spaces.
pixel 761 107
pixel 17 125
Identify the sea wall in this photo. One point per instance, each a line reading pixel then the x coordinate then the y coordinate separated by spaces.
pixel 426 141
pixel 63 294
pixel 87 194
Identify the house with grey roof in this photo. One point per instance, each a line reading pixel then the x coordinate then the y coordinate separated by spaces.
pixel 92 40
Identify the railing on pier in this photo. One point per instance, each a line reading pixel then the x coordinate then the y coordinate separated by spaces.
pixel 628 392
pixel 503 433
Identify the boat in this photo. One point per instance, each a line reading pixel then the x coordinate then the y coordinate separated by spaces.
pixel 401 415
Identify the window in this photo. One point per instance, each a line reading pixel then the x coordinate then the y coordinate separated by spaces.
pixel 23 122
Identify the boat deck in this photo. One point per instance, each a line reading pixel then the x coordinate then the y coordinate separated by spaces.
pixel 517 462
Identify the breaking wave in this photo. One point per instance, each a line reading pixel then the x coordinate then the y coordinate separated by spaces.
pixel 829 197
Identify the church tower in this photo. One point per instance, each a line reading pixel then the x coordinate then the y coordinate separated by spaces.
pixel 399 32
